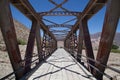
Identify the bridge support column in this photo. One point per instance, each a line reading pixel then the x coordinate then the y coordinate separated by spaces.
pixel 88 45
pixel 30 47
pixel 80 42
pixel 109 28
pixel 39 44
pixel 9 35
pixel 44 45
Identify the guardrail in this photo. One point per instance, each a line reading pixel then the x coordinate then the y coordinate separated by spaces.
pixel 11 76
pixel 108 67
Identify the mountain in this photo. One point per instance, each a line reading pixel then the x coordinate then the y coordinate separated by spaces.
pixel 95 38
pixel 22 32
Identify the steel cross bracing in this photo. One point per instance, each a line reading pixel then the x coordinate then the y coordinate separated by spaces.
pixel 47 43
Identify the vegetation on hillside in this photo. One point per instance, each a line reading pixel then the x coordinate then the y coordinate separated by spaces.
pixel 21 42
pixel 115 49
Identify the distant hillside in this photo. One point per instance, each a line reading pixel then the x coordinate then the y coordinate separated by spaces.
pixel 96 35
pixel 22 32
pixel 95 38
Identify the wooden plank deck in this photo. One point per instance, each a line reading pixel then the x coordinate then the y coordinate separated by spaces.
pixel 61 66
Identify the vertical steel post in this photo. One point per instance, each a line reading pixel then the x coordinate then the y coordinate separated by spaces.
pixel 38 41
pixel 76 41
pixel 51 47
pixel 45 44
pixel 9 35
pixel 88 45
pixel 80 42
pixel 44 47
pixel 109 28
pixel 30 47
pixel 74 38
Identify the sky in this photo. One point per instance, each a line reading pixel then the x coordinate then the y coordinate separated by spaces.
pixel 95 23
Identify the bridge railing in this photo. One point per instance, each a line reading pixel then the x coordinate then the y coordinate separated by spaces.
pixel 83 38
pixel 35 62
pixel 45 46
pixel 84 61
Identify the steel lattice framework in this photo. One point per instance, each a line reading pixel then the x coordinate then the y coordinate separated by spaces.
pixel 47 44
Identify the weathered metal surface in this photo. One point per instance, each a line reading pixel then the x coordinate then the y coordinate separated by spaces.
pixel 80 42
pixel 26 8
pixel 69 21
pixel 59 13
pixel 30 47
pixel 88 45
pixel 85 13
pixel 49 43
pixel 38 41
pixel 60 25
pixel 44 45
pixel 98 5
pixel 58 5
pixel 9 35
pixel 109 28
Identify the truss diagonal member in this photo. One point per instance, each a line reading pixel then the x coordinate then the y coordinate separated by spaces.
pixel 49 21
pixel 58 5
pixel 69 21
pixel 60 25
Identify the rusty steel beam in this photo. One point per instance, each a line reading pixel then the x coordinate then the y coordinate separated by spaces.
pixel 57 5
pixel 26 8
pixel 59 13
pixel 60 25
pixel 87 11
pixel 88 45
pixel 49 45
pixel 30 47
pixel 38 41
pixel 98 5
pixel 88 7
pixel 69 21
pixel 9 35
pixel 109 28
pixel 44 45
pixel 80 42
pixel 50 21
pixel 74 42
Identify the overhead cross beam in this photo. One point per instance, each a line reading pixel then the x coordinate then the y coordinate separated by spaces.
pixel 60 25
pixel 49 21
pixel 84 14
pixel 58 5
pixel 59 31
pixel 69 20
pixel 59 13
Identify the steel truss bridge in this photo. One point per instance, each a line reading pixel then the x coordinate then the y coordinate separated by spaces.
pixel 47 46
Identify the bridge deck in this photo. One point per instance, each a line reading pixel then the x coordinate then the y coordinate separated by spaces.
pixel 61 66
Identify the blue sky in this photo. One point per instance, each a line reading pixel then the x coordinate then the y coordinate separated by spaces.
pixel 95 23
